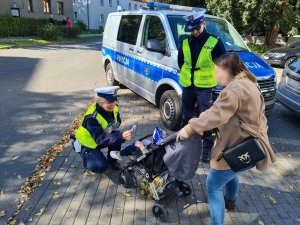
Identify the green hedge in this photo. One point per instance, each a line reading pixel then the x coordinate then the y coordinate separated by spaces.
pixel 17 27
pixel 259 49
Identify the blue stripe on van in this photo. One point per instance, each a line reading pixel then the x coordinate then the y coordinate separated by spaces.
pixel 253 62
pixel 144 68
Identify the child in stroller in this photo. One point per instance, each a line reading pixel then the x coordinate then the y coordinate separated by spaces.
pixel 156 182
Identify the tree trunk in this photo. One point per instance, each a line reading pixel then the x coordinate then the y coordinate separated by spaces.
pixel 271 34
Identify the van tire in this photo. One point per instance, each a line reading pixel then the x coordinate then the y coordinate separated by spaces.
pixel 170 110
pixel 110 78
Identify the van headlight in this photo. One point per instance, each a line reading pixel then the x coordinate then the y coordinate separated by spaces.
pixel 279 55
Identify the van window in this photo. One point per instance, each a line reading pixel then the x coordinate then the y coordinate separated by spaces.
pixel 219 27
pixel 154 29
pixel 129 29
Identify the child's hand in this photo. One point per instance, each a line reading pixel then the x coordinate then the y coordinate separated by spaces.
pixel 139 145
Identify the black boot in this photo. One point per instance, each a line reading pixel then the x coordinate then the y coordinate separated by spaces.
pixel 229 205
pixel 206 155
pixel 114 164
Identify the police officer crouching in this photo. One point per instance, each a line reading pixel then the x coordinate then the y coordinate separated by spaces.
pixel 196 62
pixel 99 130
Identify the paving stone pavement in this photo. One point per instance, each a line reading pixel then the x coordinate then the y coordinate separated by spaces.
pixel 73 198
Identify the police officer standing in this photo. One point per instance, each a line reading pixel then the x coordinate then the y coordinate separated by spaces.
pixel 196 62
pixel 99 130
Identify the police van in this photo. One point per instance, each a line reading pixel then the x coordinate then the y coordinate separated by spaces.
pixel 140 51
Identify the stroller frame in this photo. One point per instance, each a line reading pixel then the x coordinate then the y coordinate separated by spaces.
pixel 179 188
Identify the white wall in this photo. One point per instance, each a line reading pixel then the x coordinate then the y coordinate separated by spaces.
pixel 98 11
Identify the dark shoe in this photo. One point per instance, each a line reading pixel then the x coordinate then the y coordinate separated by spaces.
pixel 205 159
pixel 229 205
pixel 115 165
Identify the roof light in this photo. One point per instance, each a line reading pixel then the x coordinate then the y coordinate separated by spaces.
pixel 157 5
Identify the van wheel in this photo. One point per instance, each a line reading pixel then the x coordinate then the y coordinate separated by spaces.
pixel 170 110
pixel 110 78
pixel 289 61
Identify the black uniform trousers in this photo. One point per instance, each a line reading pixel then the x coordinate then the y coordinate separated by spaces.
pixel 203 98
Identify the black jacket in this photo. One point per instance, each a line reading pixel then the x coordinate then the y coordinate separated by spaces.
pixel 196 45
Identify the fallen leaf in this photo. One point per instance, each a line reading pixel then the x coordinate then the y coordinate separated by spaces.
pixel 30 219
pixel 21 223
pixel 189 212
pixel 57 183
pixel 1 192
pixel 270 198
pixel 19 177
pixel 2 213
pixel 260 222
pixel 28 208
pixel 15 158
pixel 13 222
pixel 41 212
pixel 88 173
pixel 278 173
pixel 56 194
pixel 128 194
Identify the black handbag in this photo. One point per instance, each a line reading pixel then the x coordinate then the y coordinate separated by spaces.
pixel 244 155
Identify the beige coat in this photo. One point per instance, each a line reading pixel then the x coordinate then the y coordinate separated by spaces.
pixel 238 113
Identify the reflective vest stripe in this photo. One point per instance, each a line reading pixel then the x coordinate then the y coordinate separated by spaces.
pixel 204 69
pixel 84 136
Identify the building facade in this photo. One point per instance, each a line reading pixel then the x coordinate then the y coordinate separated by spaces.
pixel 38 8
pixel 94 12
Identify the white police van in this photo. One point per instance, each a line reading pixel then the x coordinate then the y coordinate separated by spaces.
pixel 140 51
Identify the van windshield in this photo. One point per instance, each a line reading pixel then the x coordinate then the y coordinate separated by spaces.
pixel 220 28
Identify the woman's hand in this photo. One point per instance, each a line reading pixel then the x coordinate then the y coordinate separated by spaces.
pixel 185 133
pixel 126 135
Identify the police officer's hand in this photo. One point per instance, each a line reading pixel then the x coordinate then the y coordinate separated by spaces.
pixel 126 135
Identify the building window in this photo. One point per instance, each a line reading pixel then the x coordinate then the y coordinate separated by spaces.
pixel 47 6
pixel 60 8
pixel 110 3
pixel 129 6
pixel 135 6
pixel 102 2
pixel 29 5
pixel 101 18
pixel 75 15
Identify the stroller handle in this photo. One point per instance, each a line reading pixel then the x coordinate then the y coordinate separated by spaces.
pixel 145 137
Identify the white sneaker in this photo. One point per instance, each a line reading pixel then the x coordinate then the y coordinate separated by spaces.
pixel 116 155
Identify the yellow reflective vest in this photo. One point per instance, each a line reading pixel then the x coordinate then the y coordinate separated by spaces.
pixel 204 71
pixel 83 135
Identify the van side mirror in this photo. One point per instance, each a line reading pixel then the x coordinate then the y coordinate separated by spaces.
pixel 155 46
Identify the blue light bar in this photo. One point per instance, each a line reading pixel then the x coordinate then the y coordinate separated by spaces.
pixel 157 5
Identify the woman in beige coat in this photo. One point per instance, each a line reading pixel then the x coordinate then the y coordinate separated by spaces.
pixel 238 113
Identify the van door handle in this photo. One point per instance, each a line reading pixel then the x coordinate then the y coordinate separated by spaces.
pixel 131 49
pixel 140 51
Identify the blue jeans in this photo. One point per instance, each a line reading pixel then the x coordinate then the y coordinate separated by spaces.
pixel 215 182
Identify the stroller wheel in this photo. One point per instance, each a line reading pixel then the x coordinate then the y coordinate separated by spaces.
pixel 123 180
pixel 184 188
pixel 159 212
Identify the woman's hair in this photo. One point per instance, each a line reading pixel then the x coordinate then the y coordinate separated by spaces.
pixel 100 100
pixel 234 64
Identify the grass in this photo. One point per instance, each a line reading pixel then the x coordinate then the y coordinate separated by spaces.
pixel 6 44
pixel 13 43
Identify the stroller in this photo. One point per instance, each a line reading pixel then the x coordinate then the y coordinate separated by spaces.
pixel 156 182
